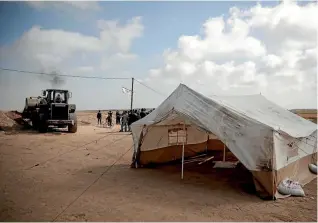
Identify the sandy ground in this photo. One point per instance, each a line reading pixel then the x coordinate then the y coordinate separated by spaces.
pixel 86 177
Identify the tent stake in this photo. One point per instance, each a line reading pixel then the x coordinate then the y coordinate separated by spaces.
pixel 182 153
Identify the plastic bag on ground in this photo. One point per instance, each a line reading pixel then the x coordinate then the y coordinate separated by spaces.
pixel 289 187
pixel 313 168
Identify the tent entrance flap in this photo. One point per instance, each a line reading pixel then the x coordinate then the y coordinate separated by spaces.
pixel 163 144
pixel 136 155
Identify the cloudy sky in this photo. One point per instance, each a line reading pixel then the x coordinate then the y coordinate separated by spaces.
pixel 216 48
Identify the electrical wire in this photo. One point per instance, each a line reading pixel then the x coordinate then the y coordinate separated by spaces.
pixel 65 75
pixel 78 76
pixel 151 88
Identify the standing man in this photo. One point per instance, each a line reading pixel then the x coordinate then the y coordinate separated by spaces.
pixel 117 118
pixel 142 113
pixel 124 122
pixel 99 118
pixel 130 119
pixel 110 118
pixel 137 115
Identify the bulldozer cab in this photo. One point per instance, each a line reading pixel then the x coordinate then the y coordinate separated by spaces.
pixel 57 95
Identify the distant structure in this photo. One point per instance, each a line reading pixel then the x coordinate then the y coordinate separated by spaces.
pixel 309 114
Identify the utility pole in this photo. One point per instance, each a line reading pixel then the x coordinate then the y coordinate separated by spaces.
pixel 132 94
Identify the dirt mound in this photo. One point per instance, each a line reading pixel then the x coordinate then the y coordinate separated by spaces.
pixel 10 120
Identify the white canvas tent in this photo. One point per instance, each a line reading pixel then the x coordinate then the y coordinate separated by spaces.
pixel 268 140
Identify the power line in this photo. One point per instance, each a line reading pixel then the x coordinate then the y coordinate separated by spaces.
pixel 151 88
pixel 78 76
pixel 65 75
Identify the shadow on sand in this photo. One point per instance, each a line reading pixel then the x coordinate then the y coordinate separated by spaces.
pixel 202 179
pixel 27 130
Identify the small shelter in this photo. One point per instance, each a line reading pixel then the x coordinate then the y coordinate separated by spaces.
pixel 267 139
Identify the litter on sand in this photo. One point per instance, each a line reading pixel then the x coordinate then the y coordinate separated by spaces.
pixel 313 168
pixel 289 187
pixel 226 164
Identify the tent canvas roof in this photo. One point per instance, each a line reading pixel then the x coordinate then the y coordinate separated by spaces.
pixel 255 108
pixel 263 136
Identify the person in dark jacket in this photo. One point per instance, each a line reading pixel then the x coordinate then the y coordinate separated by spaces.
pixel 99 118
pixel 137 115
pixel 110 118
pixel 117 118
pixel 130 119
pixel 142 113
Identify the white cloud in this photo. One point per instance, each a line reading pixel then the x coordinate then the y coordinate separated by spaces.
pixel 52 47
pixel 120 36
pixel 272 61
pixel 43 50
pixel 220 45
pixel 81 5
pixel 84 69
pixel 272 50
pixel 154 73
pixel 117 61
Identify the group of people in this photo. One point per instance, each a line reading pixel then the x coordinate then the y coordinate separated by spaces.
pixel 109 118
pixel 125 119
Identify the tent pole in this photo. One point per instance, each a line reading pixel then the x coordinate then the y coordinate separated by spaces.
pixel 223 152
pixel 132 94
pixel 207 145
pixel 182 153
pixel 273 174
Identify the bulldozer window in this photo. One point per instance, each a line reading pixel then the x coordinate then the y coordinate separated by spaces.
pixel 55 94
pixel 62 96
